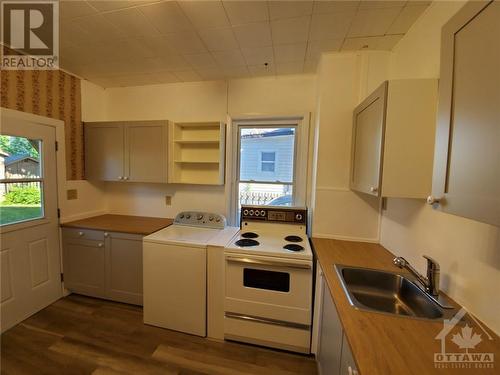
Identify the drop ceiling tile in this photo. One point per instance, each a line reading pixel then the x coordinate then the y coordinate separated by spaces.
pixel 322 6
pixel 331 25
pixel 289 9
pixel 406 18
pixel 201 60
pixel 135 47
pixel 253 34
pixel 289 52
pixel 290 30
pixel 229 58
pixel 262 70
pixel 388 42
pixel 211 73
pixel 258 55
pixel 290 68
pixel 236 72
pixel 205 14
pixel 165 77
pixel 373 4
pixel 73 9
pixel 131 22
pixel 188 75
pixel 71 33
pixel 241 12
pixel 219 39
pixel 311 66
pixel 167 17
pixel 97 28
pixel 316 48
pixel 106 5
pixel 372 22
pixel 175 63
pixel 354 44
pixel 158 46
pixel 185 42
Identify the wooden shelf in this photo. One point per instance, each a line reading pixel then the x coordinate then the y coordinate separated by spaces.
pixel 197 153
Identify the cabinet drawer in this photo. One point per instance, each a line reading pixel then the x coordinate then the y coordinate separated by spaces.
pixel 84 234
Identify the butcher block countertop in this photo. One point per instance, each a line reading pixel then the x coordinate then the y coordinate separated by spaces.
pixel 121 223
pixel 389 345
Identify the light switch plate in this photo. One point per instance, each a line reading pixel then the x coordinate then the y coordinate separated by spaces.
pixel 71 194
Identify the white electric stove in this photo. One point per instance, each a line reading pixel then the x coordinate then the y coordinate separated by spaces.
pixel 269 274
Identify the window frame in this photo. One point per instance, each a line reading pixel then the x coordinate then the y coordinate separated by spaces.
pixel 300 160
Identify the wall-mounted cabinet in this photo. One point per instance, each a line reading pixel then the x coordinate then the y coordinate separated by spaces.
pixel 393 140
pixel 134 151
pixel 197 153
pixel 466 166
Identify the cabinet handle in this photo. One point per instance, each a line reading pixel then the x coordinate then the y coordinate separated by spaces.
pixel 81 234
pixel 351 371
pixel 125 178
pixel 106 234
pixel 373 189
pixel 100 244
pixel 120 177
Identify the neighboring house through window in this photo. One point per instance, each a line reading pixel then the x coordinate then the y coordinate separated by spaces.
pixel 268 160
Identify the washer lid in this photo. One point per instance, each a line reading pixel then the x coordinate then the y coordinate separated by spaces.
pixel 181 234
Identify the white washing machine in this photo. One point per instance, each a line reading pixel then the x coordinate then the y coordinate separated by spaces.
pixel 175 272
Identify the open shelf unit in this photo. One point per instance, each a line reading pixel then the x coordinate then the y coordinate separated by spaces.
pixel 197 153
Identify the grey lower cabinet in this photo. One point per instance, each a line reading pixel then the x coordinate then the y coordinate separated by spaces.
pixel 103 264
pixel 334 355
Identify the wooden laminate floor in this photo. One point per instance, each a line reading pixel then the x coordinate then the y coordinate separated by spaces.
pixel 81 335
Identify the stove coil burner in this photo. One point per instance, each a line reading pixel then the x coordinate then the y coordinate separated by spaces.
pixel 293 247
pixel 249 235
pixel 246 242
pixel 293 239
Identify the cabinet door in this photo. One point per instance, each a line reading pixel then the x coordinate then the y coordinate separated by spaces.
pixel 124 267
pixel 368 140
pixel 348 366
pixel 84 267
pixel 330 340
pixel 466 171
pixel 146 151
pixel 104 157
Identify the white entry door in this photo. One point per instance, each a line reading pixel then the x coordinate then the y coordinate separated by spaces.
pixel 30 257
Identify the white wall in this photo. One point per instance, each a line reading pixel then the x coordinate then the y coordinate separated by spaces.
pixel 343 80
pixel 91 197
pixel 468 251
pixel 194 101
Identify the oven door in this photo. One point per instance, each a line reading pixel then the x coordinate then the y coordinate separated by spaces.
pixel 266 287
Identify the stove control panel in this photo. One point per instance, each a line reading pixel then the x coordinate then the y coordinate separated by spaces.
pixel 200 219
pixel 289 215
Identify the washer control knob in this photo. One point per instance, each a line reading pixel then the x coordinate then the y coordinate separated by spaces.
pixel 298 217
pixel 211 218
pixel 199 216
pixel 188 216
pixel 218 220
pixel 181 216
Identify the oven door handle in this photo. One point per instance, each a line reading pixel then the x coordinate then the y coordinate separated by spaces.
pixel 272 263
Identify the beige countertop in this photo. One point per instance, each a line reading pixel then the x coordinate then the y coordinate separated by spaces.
pixel 383 344
pixel 121 223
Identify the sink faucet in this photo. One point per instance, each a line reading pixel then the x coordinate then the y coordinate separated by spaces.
pixel 431 282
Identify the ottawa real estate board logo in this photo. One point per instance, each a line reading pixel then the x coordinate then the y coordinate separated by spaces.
pixel 30 35
pixel 467 340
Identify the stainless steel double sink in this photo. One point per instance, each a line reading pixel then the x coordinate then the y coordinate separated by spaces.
pixel 390 293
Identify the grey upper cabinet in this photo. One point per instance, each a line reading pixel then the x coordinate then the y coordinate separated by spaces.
pixel 133 151
pixel 393 139
pixel 466 167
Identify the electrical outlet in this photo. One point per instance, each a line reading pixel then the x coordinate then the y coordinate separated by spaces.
pixel 71 194
pixel 168 200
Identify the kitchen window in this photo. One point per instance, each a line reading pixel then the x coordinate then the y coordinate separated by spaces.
pixel 271 163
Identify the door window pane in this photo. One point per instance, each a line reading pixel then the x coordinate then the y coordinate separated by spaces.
pixel 20 202
pixel 21 180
